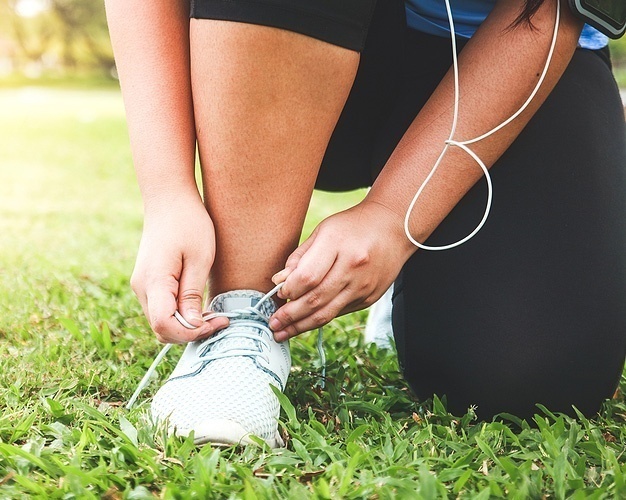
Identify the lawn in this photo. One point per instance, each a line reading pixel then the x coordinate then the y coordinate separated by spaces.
pixel 74 344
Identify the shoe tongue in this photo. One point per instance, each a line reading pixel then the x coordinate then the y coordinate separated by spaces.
pixel 240 299
pixel 231 301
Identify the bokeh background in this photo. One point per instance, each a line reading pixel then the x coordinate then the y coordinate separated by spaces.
pixel 54 40
pixel 44 41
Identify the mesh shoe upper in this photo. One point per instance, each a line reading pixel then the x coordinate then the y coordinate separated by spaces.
pixel 226 378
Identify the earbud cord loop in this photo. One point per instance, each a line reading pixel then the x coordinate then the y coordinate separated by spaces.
pixel 464 145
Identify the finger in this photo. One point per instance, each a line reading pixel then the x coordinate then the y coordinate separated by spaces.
pixel 317 319
pixel 214 325
pixel 296 255
pixel 281 276
pixel 292 261
pixel 139 291
pixel 313 266
pixel 361 303
pixel 161 305
pixel 192 282
pixel 143 301
pixel 312 301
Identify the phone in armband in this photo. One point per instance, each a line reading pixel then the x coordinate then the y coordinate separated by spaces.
pixel 607 16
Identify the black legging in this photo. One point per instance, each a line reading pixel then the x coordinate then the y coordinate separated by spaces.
pixel 533 309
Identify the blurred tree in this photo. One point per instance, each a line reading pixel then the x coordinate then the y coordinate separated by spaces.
pixel 83 29
pixel 58 35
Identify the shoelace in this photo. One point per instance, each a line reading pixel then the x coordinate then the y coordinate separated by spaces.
pixel 238 317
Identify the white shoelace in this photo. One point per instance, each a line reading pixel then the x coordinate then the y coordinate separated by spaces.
pixel 238 317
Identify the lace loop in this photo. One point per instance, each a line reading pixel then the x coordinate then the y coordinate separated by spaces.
pixel 207 355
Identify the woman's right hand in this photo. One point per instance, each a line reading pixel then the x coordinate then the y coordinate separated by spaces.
pixel 175 256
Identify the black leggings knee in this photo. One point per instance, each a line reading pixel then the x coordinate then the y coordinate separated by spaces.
pixel 532 310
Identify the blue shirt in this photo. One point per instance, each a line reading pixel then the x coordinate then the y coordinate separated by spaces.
pixel 430 16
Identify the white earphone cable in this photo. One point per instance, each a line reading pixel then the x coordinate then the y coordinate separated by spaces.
pixel 464 145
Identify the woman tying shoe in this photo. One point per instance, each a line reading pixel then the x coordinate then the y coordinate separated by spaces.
pixel 283 96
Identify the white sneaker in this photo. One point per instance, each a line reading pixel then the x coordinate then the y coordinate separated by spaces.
pixel 378 329
pixel 220 388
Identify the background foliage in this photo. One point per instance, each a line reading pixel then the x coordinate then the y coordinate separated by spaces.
pixel 68 38
pixel 54 38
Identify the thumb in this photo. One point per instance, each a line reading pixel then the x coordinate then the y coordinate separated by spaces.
pixel 293 260
pixel 191 287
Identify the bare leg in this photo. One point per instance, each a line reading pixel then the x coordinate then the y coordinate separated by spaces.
pixel 266 102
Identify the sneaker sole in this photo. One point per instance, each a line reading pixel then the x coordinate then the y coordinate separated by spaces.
pixel 225 433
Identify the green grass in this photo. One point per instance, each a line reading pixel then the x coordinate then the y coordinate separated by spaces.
pixel 74 344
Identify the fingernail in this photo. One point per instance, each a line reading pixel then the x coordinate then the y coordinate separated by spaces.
pixel 281 336
pixel 218 324
pixel 194 315
pixel 281 276
pixel 275 324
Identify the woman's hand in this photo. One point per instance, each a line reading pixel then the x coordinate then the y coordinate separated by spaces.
pixel 175 256
pixel 345 265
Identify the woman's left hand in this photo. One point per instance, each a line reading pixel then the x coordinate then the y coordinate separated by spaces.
pixel 345 265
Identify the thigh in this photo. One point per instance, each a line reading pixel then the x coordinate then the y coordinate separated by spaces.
pixel 532 309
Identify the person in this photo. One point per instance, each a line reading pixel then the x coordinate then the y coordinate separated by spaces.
pixel 282 96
